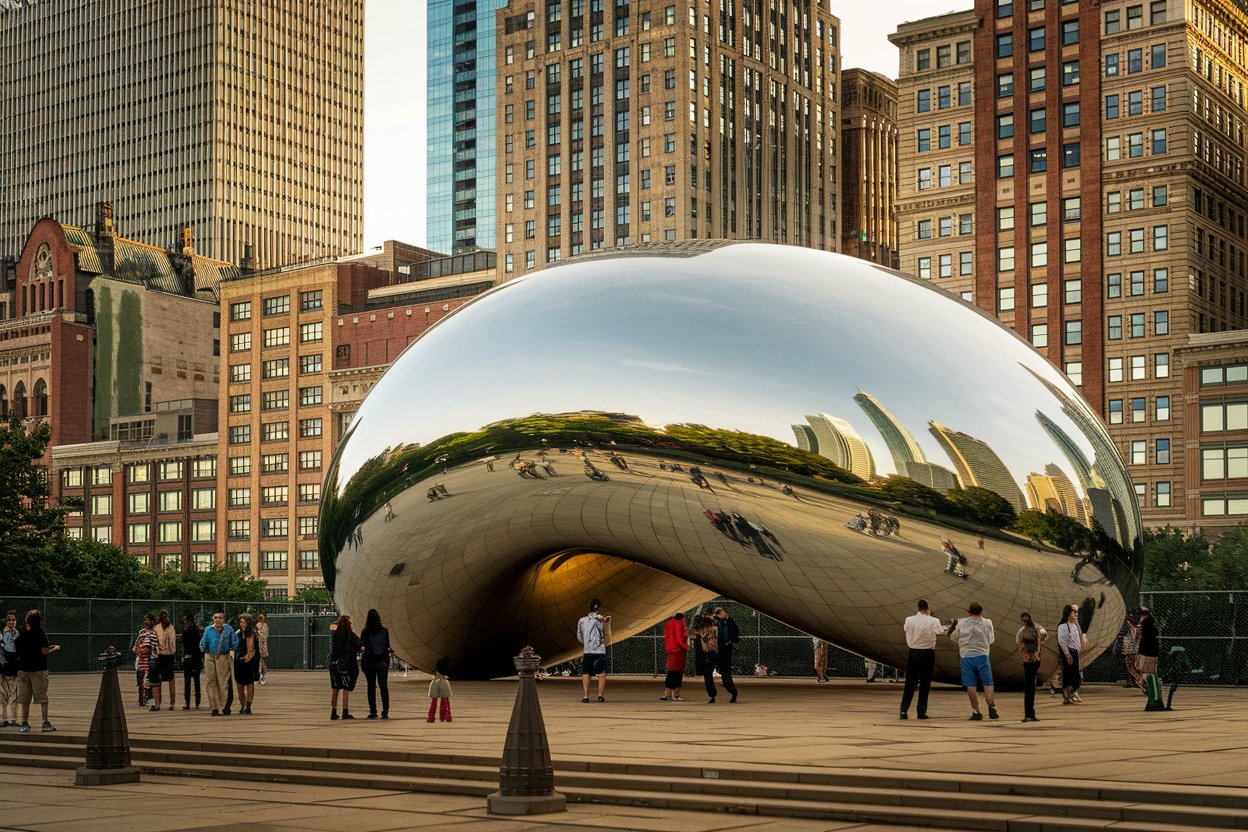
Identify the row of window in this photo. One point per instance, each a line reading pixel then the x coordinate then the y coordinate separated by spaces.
pixel 944 136
pixel 1137 452
pixel 275 561
pixel 278 399
pixel 1137 410
pixel 278 337
pixel 1038 160
pixel 309 301
pixel 1135 60
pixel 201 531
pixel 275 463
pixel 271 527
pixel 947 95
pixel 1132 104
pixel 946 54
pixel 204 468
pixel 1037 78
pixel 275 495
pixel 276 368
pixel 276 431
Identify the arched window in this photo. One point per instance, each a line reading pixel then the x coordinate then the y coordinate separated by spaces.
pixel 19 400
pixel 4 403
pixel 41 399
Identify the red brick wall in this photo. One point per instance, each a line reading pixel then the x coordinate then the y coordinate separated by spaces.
pixel 69 388
pixel 366 339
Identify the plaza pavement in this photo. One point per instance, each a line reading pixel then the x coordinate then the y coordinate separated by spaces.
pixel 776 725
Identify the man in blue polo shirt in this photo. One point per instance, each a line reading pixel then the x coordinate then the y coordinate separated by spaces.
pixel 975 636
pixel 218 643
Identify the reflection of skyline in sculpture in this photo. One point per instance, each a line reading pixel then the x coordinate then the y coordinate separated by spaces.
pixel 908 458
pixel 1054 490
pixel 806 438
pixel 1105 476
pixel 978 464
pixel 836 439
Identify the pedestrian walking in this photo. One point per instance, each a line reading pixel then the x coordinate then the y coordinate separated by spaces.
pixel 246 663
pixel 729 634
pixel 8 670
pixel 1150 645
pixel 1130 644
pixel 1030 639
pixel 676 648
pixel 821 659
pixel 344 667
pixel 975 636
pixel 192 660
pixel 262 633
pixel 706 653
pixel 375 662
pixel 921 631
pixel 144 650
pixel 217 644
pixel 166 652
pixel 440 691
pixel 1069 640
pixel 591 633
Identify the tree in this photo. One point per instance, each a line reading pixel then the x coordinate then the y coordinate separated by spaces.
pixel 915 494
pixel 219 583
pixel 89 569
pixel 1173 560
pixel 312 595
pixel 27 524
pixel 982 506
pixel 1058 529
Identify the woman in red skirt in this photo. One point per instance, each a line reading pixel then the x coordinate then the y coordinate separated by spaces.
pixel 676 644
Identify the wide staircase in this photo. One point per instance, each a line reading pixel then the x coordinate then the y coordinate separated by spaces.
pixel 939 800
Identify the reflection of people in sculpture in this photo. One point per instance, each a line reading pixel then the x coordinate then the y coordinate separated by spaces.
pixel 857 523
pixel 695 476
pixel 721 476
pixel 489 463
pixel 957 562
pixel 619 461
pixel 432 494
pixel 550 469
pixel 389 512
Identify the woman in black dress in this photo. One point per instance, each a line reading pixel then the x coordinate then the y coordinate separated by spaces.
pixel 192 660
pixel 246 662
pixel 344 665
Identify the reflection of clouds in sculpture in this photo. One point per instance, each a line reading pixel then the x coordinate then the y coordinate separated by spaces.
pixel 759 365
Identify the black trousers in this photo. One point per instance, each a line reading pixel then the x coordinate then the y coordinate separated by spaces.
pixel 673 680
pixel 725 670
pixel 1070 671
pixel 919 667
pixel 708 674
pixel 187 676
pixel 376 679
pixel 1030 670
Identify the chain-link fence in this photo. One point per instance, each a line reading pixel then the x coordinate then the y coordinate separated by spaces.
pixel 85 627
pixel 1210 627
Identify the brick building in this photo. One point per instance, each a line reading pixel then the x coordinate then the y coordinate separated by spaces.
pixel 648 121
pixel 151 488
pixel 285 330
pixel 1102 210
pixel 103 327
pixel 869 166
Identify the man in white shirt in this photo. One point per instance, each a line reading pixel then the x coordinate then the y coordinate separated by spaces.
pixel 922 629
pixel 975 636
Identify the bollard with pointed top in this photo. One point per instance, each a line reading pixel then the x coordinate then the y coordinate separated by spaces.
pixel 526 780
pixel 108 743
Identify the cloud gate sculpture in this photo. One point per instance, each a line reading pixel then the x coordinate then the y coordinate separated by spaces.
pixel 797 430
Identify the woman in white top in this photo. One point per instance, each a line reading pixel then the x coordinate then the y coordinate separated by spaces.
pixel 1069 639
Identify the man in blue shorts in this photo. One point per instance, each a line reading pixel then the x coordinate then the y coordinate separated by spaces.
pixel 975 636
pixel 591 633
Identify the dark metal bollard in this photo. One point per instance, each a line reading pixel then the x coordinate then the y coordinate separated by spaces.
pixel 108 743
pixel 526 780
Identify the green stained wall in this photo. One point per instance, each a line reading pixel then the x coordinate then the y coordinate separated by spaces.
pixel 118 355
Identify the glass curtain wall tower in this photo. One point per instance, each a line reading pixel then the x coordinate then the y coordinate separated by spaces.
pixel 460 167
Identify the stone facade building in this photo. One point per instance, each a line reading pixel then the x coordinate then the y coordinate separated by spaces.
pixel 869 166
pixel 243 120
pixel 1102 210
pixel 648 121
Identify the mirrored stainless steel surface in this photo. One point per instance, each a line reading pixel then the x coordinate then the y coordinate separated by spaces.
pixel 657 427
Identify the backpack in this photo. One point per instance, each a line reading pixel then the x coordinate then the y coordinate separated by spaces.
pixel 377 646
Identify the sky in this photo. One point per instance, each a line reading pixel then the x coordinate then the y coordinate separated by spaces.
pixel 394 98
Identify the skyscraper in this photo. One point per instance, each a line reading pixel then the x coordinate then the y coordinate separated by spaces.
pixel 646 121
pixel 838 441
pixel 1077 169
pixel 908 458
pixel 978 464
pixel 869 166
pixel 243 121
pixel 460 168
